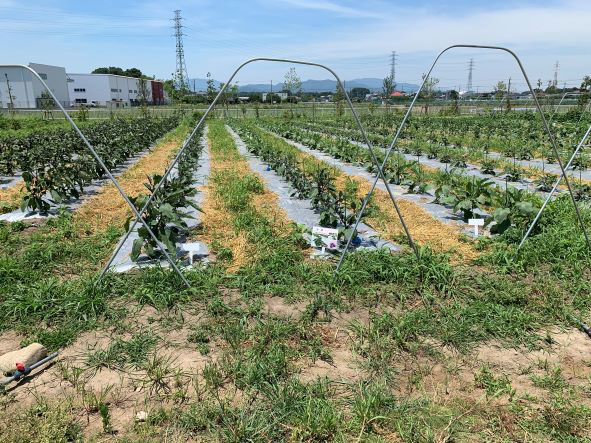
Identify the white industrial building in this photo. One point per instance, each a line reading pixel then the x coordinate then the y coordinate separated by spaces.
pixel 26 90
pixel 111 90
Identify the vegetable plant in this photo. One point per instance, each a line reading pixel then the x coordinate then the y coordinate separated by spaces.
pixel 469 195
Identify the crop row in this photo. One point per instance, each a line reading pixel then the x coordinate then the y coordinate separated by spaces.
pixel 497 129
pixel 311 179
pixel 510 207
pixel 472 138
pixel 459 157
pixel 166 214
pixel 56 164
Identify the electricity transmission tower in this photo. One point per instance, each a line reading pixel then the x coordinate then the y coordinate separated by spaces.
pixel 470 70
pixel 393 66
pixel 556 67
pixel 181 77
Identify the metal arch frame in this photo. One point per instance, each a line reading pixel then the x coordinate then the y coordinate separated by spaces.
pixel 102 164
pixel 558 106
pixel 210 108
pixel 404 120
pixel 539 214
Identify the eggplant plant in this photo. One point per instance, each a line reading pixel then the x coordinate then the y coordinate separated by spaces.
pixel 444 182
pixel 582 192
pixel 433 151
pixel 397 170
pixel 417 183
pixel 515 208
pixel 164 215
pixel 514 173
pixel 488 166
pixel 469 195
pixel 545 182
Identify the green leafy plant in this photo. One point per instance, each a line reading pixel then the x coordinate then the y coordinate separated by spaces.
pixel 164 215
pixel 582 192
pixel 515 208
pixel 470 195
pixel 433 151
pixel 514 173
pixel 488 166
pixel 418 181
pixel 545 182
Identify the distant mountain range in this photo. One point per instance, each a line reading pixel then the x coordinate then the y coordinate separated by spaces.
pixel 373 84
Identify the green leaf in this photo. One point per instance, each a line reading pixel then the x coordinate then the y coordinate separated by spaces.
pixel 136 249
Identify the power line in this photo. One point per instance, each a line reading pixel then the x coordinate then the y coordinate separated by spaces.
pixel 181 77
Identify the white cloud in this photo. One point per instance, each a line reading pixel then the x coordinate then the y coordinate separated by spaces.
pixel 518 27
pixel 539 33
pixel 331 7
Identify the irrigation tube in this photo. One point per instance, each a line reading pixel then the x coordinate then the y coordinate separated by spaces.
pixel 409 110
pixel 19 373
pixel 212 105
pixel 580 145
pixel 100 161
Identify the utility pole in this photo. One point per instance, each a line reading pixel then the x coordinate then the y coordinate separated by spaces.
pixel 194 88
pixel 470 70
pixel 10 96
pixel 556 67
pixel 271 98
pixel 393 67
pixel 182 79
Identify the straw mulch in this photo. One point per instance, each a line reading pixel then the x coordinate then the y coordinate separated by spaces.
pixel 217 223
pixel 11 198
pixel 108 208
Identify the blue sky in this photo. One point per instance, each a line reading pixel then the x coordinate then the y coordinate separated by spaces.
pixel 353 37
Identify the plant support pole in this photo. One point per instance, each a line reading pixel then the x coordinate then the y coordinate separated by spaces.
pixel 103 166
pixel 545 123
pixel 539 214
pixel 212 105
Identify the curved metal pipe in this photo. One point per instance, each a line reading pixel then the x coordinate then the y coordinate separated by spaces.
pixel 100 161
pixel 409 110
pixel 211 106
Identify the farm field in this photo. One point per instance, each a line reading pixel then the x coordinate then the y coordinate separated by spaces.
pixel 469 339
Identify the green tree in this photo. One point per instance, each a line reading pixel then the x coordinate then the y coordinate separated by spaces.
pixel 211 89
pixel 144 95
pixel 339 100
pixel 134 72
pixel 388 86
pixel 428 91
pixel 292 82
pixel 454 96
pixel 551 89
pixel 500 90
pixel 585 90
pixel 47 104
pixel 359 93
pixel 293 85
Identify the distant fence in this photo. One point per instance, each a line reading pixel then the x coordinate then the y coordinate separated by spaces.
pixel 308 109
